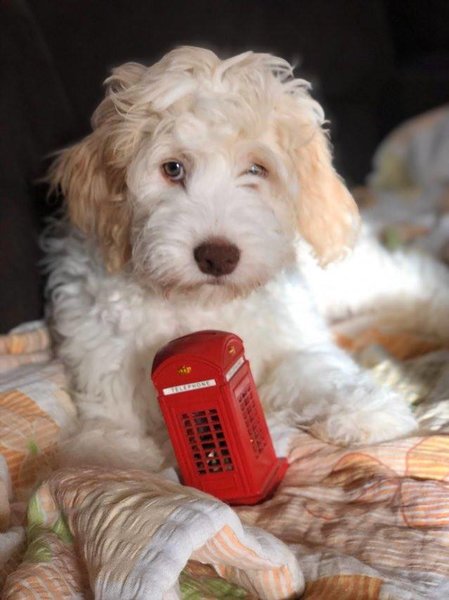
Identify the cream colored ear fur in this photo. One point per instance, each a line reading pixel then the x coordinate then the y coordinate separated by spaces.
pixel 92 174
pixel 327 214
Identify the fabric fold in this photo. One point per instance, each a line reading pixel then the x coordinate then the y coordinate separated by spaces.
pixel 132 534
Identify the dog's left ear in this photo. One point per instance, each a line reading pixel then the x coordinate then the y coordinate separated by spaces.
pixel 327 215
pixel 92 173
pixel 94 191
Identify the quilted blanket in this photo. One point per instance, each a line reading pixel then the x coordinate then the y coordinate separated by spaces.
pixel 366 523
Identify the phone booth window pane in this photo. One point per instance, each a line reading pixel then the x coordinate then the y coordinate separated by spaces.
pixel 208 445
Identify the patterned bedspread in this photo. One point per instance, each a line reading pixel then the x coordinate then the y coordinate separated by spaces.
pixel 366 523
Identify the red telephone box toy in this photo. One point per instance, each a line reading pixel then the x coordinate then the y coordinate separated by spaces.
pixel 215 419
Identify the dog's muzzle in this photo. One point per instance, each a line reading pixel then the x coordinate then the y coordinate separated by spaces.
pixel 217 257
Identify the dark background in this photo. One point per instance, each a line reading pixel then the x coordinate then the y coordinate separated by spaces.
pixel 374 63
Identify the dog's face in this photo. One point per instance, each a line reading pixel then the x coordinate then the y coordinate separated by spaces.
pixel 208 211
pixel 200 174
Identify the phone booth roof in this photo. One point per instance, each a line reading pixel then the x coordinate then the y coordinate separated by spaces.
pixel 218 348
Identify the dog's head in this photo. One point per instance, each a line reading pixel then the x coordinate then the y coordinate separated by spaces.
pixel 201 172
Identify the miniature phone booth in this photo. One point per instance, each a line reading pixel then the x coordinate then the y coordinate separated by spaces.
pixel 215 419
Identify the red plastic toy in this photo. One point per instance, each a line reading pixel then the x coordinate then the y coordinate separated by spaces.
pixel 215 419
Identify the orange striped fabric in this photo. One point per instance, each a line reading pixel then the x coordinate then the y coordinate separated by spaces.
pixel 30 344
pixel 386 506
pixel 344 587
pixel 28 437
pixel 364 523
pixel 32 339
pixel 135 544
pixel 235 562
pixel 41 578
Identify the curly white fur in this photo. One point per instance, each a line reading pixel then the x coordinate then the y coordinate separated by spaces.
pixel 124 280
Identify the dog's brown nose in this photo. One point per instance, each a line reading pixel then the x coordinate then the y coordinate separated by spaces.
pixel 217 257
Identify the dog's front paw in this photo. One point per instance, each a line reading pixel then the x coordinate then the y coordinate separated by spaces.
pixel 101 443
pixel 386 420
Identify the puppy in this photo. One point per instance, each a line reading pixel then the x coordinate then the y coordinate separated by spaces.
pixel 205 198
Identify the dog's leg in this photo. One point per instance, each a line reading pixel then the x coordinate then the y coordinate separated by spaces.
pixel 106 443
pixel 299 369
pixel 114 412
pixel 329 394
pixel 406 289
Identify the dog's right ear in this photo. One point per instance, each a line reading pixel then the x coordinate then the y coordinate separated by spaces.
pixel 327 214
pixel 92 174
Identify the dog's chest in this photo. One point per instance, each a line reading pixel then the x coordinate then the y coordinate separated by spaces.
pixel 267 323
pixel 134 327
pixel 160 322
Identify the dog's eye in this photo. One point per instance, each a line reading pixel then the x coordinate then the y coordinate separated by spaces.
pixel 174 170
pixel 257 170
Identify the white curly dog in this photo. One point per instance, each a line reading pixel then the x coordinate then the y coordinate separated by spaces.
pixel 205 198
